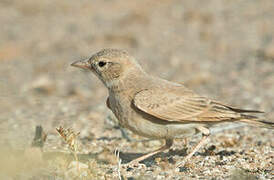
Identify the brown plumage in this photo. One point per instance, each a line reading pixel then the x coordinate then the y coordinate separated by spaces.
pixel 156 108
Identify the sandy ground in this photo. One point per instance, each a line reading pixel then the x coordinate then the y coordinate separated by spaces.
pixel 222 49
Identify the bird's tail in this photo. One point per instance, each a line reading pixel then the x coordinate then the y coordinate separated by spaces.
pixel 255 121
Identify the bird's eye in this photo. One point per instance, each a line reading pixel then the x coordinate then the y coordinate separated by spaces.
pixel 101 63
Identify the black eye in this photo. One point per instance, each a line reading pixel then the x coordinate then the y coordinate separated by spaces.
pixel 102 63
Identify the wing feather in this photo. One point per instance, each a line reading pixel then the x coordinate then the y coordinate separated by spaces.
pixel 181 105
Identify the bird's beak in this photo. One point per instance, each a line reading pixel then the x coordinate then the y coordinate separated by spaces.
pixel 84 64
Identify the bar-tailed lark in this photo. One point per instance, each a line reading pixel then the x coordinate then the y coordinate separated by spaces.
pixel 157 108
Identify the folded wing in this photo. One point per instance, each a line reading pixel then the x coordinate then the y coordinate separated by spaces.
pixel 182 105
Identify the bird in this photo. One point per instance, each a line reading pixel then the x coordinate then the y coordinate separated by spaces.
pixel 157 108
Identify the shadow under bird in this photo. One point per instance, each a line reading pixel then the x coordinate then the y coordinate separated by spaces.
pixel 156 108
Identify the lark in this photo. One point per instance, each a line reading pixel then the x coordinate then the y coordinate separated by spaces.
pixel 156 108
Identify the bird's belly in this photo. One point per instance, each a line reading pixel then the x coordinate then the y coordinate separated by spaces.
pixel 147 128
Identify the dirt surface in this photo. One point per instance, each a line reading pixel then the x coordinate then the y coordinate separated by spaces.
pixel 222 49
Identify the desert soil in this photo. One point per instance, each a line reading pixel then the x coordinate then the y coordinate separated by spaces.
pixel 221 49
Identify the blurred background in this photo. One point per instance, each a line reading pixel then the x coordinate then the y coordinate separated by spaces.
pixel 221 49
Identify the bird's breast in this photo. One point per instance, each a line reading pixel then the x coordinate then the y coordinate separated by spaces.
pixel 120 106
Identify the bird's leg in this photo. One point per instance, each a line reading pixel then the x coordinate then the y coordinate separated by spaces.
pixel 197 147
pixel 205 135
pixel 167 145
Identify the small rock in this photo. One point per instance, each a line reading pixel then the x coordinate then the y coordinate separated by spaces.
pixel 129 169
pixel 183 169
pixel 225 153
pixel 43 84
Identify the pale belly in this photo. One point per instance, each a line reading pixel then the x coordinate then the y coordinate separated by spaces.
pixel 149 126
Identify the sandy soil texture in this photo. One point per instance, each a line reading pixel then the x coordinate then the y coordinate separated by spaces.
pixel 221 49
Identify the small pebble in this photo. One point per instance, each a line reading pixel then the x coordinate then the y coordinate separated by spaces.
pixel 183 169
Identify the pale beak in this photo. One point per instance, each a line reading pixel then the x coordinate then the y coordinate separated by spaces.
pixel 84 64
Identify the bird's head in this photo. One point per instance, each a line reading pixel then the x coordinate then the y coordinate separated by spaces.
pixel 110 65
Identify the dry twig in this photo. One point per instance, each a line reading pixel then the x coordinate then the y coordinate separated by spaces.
pixel 70 138
pixel 117 154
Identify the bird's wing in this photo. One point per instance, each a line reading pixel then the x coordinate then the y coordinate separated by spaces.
pixel 181 105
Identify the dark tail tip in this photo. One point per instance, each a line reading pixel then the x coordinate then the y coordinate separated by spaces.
pixel 271 124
